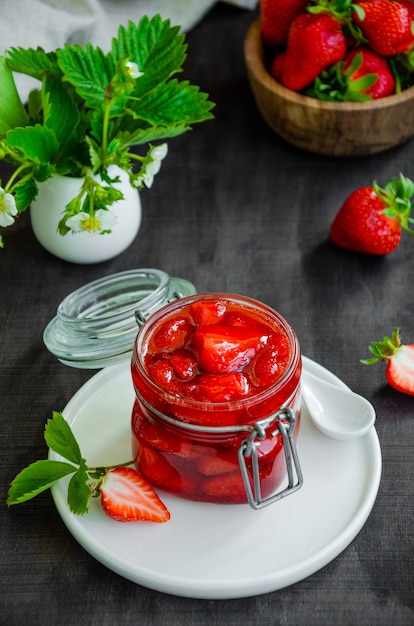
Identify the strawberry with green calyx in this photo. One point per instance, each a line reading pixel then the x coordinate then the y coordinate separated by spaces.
pixel 314 43
pixel 343 11
pixel 372 218
pixel 399 359
pixel 276 18
pixel 124 494
pixel 402 66
pixel 363 75
pixel 386 24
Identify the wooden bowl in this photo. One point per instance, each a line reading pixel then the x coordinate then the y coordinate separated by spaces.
pixel 332 128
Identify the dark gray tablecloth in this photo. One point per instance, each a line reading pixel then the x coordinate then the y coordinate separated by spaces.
pixel 234 209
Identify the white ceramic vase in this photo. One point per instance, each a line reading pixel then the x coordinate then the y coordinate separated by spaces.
pixel 46 212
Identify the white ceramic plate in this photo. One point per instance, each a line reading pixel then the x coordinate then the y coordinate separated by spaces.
pixel 218 551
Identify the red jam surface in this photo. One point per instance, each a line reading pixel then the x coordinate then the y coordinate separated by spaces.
pixel 213 361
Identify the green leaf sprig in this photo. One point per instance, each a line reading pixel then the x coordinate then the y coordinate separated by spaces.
pixel 93 110
pixel 41 475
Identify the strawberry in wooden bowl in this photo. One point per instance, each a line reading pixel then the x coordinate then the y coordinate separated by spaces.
pixel 332 76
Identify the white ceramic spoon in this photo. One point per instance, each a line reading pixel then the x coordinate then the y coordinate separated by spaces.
pixel 337 411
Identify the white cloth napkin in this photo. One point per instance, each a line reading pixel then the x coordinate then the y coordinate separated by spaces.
pixel 51 23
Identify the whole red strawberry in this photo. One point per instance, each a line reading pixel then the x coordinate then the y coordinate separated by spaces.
pixel 371 219
pixel 399 359
pixel 276 18
pixel 386 24
pixel 368 73
pixel 315 41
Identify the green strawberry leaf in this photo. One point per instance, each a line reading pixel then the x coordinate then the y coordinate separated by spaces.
pixel 89 70
pixel 61 114
pixel 139 136
pixel 174 102
pixel 79 492
pixel 12 112
pixel 36 478
pixel 33 62
pixel 36 143
pixel 145 44
pixel 60 438
pixel 24 193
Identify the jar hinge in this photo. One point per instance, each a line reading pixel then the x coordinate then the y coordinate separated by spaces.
pixel 285 421
pixel 141 317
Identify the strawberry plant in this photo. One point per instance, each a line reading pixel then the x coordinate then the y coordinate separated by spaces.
pixel 125 495
pixel 92 110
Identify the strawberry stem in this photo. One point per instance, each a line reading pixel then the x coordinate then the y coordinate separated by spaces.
pixel 384 349
pixel 396 196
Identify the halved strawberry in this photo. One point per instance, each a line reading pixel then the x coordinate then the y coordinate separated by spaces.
pixel 206 312
pixel 399 359
pixel 127 497
pixel 222 349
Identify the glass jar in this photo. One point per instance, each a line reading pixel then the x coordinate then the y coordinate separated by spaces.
pixel 218 428
pixel 96 325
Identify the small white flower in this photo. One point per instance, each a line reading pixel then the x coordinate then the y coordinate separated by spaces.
pixel 133 70
pixel 7 208
pixel 152 163
pixel 159 152
pixel 83 222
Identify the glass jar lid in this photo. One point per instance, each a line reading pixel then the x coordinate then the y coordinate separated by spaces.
pixel 96 325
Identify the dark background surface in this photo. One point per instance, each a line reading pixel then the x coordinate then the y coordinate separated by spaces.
pixel 233 209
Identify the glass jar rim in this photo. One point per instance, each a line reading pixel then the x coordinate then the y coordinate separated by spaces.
pixel 96 325
pixel 294 361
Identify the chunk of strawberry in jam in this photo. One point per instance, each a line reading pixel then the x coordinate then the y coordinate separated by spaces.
pixel 156 469
pixel 173 334
pixel 207 312
pixel 271 363
pixel 215 465
pixel 162 373
pixel 184 364
pixel 223 387
pixel 227 488
pixel 239 319
pixel 223 349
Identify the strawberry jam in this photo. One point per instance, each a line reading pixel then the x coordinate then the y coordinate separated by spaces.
pixel 206 369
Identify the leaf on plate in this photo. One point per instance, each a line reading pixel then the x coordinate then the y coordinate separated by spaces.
pixel 79 492
pixel 60 438
pixel 36 478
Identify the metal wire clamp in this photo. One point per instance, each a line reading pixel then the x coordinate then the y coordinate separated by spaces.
pixel 283 421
